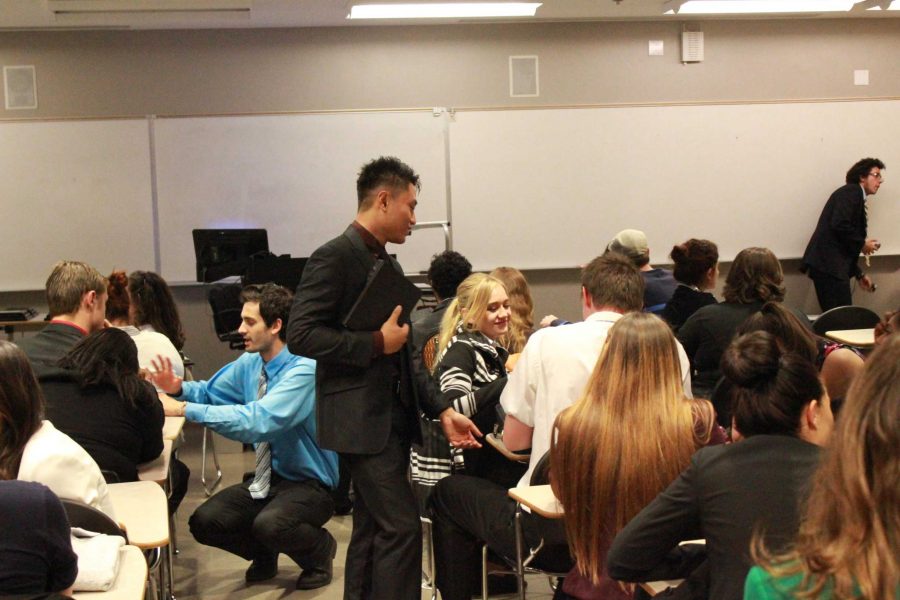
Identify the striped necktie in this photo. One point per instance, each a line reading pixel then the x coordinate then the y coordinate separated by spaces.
pixel 259 489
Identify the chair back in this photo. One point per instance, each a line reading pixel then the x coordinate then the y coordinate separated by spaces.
pixel 225 301
pixel 429 352
pixel 92 519
pixel 845 317
pixel 541 473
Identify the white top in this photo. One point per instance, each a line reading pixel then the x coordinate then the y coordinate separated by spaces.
pixel 56 460
pixel 150 344
pixel 552 374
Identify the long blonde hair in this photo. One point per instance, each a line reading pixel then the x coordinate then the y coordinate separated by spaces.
pixel 849 536
pixel 472 297
pixel 623 442
pixel 521 321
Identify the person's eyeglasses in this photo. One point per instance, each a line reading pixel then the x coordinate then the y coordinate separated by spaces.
pixel 877 176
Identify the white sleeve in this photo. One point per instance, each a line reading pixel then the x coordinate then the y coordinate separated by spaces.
pixel 519 394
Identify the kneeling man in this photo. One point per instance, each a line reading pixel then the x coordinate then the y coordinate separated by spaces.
pixel 266 397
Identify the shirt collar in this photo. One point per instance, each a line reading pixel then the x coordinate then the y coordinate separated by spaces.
pixel 865 195
pixel 604 315
pixel 273 366
pixel 369 240
pixel 83 331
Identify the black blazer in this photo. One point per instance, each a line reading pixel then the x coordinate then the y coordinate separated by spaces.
pixel 723 495
pixel 354 391
pixel 840 234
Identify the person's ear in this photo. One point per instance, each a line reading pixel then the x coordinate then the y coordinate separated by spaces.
pixel 89 299
pixel 276 326
pixel 382 199
pixel 811 415
pixel 586 299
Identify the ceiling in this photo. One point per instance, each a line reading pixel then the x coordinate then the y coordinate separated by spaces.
pixel 229 14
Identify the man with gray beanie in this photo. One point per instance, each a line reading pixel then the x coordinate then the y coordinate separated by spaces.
pixel 659 284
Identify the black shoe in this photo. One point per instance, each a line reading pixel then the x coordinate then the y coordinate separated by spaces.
pixel 342 509
pixel 262 568
pixel 316 577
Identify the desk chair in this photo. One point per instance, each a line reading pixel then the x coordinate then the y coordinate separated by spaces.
pixel 520 565
pixel 845 317
pixel 87 517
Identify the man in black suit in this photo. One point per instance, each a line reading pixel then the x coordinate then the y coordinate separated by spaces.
pixel 831 256
pixel 367 404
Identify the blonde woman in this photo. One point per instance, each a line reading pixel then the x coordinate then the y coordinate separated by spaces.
pixel 521 322
pixel 470 374
pixel 848 545
pixel 622 443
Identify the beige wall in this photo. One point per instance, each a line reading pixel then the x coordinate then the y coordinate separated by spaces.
pixel 107 74
pixel 92 74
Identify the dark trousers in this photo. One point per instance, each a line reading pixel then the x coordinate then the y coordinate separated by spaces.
pixel 290 521
pixel 468 512
pixel 384 559
pixel 831 291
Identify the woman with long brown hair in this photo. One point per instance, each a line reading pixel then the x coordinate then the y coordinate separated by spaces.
pixel 848 545
pixel 521 322
pixel 783 415
pixel 620 445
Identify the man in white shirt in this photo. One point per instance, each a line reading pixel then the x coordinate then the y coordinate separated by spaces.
pixel 551 375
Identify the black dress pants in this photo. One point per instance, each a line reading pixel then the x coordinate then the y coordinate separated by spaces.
pixel 289 521
pixel 831 291
pixel 468 512
pixel 384 559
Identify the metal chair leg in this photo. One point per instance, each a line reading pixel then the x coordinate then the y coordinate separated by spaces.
pixel 212 444
pixel 520 564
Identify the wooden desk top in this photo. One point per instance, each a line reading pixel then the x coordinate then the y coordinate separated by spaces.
pixel 862 338
pixel 142 510
pixel 539 499
pixel 130 580
pixel 157 470
pixel 172 427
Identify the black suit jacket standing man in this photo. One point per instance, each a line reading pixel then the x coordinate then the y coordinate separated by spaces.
pixel 831 256
pixel 367 405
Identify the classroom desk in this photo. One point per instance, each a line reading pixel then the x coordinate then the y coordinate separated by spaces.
pixel 861 338
pixel 157 470
pixel 35 324
pixel 540 500
pixel 172 427
pixel 143 511
pixel 130 580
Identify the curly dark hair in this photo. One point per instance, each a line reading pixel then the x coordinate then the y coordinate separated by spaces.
pixel 862 168
pixel 155 306
pixel 117 301
pixel 384 171
pixel 447 271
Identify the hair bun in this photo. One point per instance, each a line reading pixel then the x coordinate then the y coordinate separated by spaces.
pixel 752 360
pixel 679 252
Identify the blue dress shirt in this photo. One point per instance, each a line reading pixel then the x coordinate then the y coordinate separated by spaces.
pixel 285 416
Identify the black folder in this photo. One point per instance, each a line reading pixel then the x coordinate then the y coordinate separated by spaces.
pixel 385 289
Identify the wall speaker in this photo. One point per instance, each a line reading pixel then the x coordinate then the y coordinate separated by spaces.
pixel 523 76
pixel 19 87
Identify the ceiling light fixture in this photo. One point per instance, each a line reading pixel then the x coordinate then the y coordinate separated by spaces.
pixel 763 6
pixel 443 11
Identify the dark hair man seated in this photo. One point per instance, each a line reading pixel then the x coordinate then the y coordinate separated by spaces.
pixel 266 397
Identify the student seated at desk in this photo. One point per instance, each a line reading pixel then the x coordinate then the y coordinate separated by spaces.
pixel 521 320
pixel 36 554
pixel 783 415
pixel 266 397
pixel 696 269
pixel 848 545
pixel 755 278
pixel 101 402
pixel 76 304
pixel 622 443
pixel 32 449
pixel 150 344
pixel 153 307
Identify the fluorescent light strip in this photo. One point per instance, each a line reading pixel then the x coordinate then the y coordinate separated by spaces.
pixel 763 6
pixel 444 11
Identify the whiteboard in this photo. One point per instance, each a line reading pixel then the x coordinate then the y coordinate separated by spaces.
pixel 549 188
pixel 77 190
pixel 294 175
